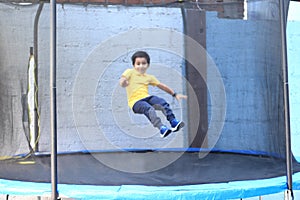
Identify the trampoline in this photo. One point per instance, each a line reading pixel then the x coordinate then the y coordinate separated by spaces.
pixel 219 175
pixel 226 56
pixel 187 169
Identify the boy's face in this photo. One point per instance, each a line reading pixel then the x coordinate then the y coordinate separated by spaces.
pixel 141 65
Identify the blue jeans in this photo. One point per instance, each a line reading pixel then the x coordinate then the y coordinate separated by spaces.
pixel 148 105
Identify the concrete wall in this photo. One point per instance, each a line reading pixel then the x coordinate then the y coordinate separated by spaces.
pixel 81 31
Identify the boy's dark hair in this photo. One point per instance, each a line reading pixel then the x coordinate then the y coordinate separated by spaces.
pixel 140 54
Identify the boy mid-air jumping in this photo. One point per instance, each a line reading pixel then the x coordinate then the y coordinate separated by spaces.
pixel 136 82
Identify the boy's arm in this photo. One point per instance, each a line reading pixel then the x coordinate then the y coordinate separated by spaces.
pixel 123 81
pixel 170 91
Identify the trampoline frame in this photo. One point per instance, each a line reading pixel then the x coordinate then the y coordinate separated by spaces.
pixel 53 122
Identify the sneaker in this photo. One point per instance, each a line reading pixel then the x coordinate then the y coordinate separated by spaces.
pixel 164 131
pixel 176 125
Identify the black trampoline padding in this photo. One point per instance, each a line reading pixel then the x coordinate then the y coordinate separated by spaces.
pixel 132 168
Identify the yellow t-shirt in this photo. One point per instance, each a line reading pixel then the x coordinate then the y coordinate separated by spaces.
pixel 137 88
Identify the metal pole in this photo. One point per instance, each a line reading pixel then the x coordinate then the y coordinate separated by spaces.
pixel 283 18
pixel 35 54
pixel 53 119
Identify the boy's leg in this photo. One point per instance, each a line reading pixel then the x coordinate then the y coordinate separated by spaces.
pixel 160 104
pixel 143 107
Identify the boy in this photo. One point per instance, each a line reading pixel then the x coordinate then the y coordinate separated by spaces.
pixel 136 82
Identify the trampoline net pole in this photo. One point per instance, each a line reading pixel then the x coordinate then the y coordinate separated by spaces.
pixel 35 54
pixel 283 18
pixel 53 122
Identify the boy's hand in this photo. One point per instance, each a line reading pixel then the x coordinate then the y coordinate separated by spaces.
pixel 180 96
pixel 123 82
